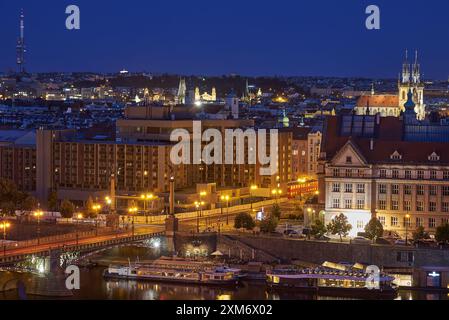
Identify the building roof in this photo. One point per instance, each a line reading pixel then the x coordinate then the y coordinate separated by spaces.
pixel 378 101
pixel 386 140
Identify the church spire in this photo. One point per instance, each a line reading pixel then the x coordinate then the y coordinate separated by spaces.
pixel 406 69
pixel 416 70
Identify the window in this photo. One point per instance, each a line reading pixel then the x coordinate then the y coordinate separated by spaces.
pixel 408 174
pixel 433 190
pixel 407 206
pixel 360 225
pixel 394 205
pixel 420 190
pixel 335 187
pixel 336 203
pixel 394 189
pixel 348 187
pixel 383 173
pixel 394 221
pixel 420 175
pixel 348 159
pixel 433 175
pixel 432 206
pixel 360 188
pixel 445 206
pixel 382 220
pixel 445 191
pixel 446 175
pixel 348 173
pixel 395 174
pixel 407 222
pixel 348 203
pixel 407 189
pixel 360 204
pixel 336 172
pixel 432 223
pixel 383 189
pixel 419 206
pixel 444 221
pixel 382 205
pixel 419 222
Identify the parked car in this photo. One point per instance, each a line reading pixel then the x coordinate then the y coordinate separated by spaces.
pixel 361 240
pixel 402 242
pixel 384 241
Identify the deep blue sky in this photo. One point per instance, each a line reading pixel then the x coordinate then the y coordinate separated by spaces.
pixel 249 37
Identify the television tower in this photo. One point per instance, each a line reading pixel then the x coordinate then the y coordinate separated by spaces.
pixel 21 50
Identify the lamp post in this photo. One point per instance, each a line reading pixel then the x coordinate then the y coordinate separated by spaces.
pixel 197 206
pixel 276 192
pixel 79 216
pixel 4 226
pixel 225 198
pixel 132 211
pixel 146 198
pixel 251 190
pixel 407 220
pixel 38 214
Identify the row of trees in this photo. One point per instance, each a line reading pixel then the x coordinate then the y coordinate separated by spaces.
pixel 267 225
pixel 373 230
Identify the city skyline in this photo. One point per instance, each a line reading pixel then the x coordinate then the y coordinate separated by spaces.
pixel 291 40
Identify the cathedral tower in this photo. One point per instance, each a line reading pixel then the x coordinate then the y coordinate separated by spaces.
pixel 411 80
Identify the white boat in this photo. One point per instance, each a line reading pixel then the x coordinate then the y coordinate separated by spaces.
pixel 176 270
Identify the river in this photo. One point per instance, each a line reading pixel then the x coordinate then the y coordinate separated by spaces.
pixel 95 287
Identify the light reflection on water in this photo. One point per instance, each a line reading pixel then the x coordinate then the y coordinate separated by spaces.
pixel 94 286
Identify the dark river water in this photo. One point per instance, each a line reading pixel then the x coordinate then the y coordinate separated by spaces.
pixel 95 287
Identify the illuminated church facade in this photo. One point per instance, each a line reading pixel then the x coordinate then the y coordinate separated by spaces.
pixel 391 105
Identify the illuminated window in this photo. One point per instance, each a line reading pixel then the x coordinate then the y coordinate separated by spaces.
pixel 432 223
pixel 394 205
pixel 394 221
pixel 419 206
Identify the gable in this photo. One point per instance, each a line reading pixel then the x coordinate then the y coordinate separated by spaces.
pixel 349 155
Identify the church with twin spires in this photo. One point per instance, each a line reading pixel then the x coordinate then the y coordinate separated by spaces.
pixel 391 105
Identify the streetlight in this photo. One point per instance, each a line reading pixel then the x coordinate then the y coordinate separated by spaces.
pixel 4 226
pixel 251 190
pixel 132 211
pixel 407 220
pixel 79 216
pixel 226 198
pixel 276 193
pixel 197 206
pixel 146 197
pixel 38 214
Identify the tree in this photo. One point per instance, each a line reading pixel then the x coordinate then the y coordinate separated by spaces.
pixel 442 234
pixel 269 224
pixel 244 220
pixel 29 204
pixel 11 198
pixel 420 234
pixel 67 209
pixel 318 229
pixel 339 226
pixel 276 211
pixel 374 229
pixel 53 201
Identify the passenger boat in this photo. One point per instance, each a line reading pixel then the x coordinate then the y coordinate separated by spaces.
pixel 176 270
pixel 332 282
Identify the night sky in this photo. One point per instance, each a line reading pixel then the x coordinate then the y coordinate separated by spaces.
pixel 248 37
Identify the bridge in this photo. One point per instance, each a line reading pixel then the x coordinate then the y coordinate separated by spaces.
pixel 94 242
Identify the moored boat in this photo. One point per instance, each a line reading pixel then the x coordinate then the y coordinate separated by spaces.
pixel 331 282
pixel 176 270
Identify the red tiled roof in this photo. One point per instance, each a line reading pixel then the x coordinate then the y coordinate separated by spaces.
pixel 378 101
